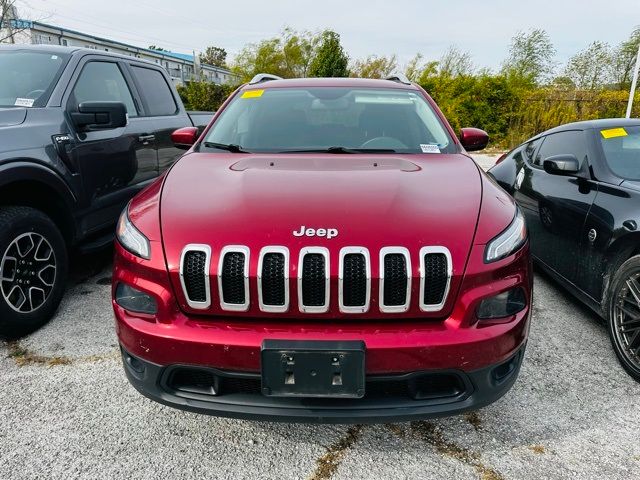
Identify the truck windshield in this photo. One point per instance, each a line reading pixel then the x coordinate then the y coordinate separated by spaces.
pixel 329 119
pixel 621 147
pixel 28 77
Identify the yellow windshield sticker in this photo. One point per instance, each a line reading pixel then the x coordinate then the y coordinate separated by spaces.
pixel 252 93
pixel 613 132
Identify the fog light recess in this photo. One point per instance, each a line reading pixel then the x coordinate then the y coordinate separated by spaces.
pixel 502 305
pixel 134 300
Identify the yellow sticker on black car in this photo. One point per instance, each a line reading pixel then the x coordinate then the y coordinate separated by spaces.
pixel 252 93
pixel 613 132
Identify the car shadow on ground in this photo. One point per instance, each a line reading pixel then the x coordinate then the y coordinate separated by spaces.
pixel 84 266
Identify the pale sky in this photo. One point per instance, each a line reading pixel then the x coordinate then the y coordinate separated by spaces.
pixel 404 27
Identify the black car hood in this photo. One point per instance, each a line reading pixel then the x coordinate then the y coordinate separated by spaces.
pixel 10 117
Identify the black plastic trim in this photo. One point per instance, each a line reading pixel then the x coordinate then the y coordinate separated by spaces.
pixel 484 387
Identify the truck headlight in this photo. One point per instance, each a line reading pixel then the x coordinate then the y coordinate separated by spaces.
pixel 510 240
pixel 131 238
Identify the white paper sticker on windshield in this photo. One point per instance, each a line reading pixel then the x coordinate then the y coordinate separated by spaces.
pixel 429 148
pixel 24 102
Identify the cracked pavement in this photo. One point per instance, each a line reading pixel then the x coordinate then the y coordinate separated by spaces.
pixel 67 411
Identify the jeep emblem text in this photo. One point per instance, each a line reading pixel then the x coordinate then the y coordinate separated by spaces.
pixel 320 232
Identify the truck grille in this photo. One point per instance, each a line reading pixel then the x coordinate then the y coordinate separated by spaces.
pixel 194 275
pixel 354 280
pixel 395 279
pixel 233 278
pixel 435 276
pixel 273 279
pixel 313 281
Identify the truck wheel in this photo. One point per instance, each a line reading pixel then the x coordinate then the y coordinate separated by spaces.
pixel 623 315
pixel 33 270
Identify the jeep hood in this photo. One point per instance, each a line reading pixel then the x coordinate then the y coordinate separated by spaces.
pixel 10 117
pixel 372 201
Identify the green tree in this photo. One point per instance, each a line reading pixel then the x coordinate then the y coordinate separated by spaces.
pixel 215 56
pixel 530 57
pixel 288 55
pixel 625 59
pixel 591 68
pixel 205 96
pixel 374 67
pixel 298 50
pixel 455 63
pixel 330 59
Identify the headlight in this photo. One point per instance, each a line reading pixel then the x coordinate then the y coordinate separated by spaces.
pixel 131 238
pixel 508 241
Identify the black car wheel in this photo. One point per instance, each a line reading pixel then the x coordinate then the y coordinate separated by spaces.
pixel 33 270
pixel 624 315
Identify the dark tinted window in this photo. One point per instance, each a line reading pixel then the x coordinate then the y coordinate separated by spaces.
pixel 156 91
pixel 27 78
pixel 530 149
pixel 621 148
pixel 571 142
pixel 103 82
pixel 316 118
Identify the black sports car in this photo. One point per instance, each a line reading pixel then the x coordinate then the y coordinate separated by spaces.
pixel 579 188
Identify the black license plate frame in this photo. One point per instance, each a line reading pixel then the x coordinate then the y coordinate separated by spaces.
pixel 313 369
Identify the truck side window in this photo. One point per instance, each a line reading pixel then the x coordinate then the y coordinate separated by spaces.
pixel 103 82
pixel 160 101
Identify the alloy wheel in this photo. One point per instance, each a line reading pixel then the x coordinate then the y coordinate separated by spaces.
pixel 626 319
pixel 28 272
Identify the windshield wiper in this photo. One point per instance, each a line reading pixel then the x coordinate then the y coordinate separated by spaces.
pixel 231 147
pixel 342 150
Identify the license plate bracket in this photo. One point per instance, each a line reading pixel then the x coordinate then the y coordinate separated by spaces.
pixel 315 369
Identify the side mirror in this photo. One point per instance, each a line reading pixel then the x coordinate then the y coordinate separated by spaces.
pixel 564 164
pixel 184 138
pixel 100 115
pixel 473 139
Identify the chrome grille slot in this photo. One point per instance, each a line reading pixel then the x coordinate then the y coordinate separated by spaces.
pixel 395 279
pixel 233 278
pixel 313 280
pixel 354 280
pixel 273 279
pixel 194 275
pixel 435 277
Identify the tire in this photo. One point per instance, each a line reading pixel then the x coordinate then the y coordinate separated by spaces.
pixel 623 306
pixel 33 270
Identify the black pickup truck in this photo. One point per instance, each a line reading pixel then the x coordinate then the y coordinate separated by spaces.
pixel 81 132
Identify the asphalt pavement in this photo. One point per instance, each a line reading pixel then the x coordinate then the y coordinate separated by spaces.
pixel 67 411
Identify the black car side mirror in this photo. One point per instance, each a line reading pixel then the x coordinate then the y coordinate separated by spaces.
pixel 100 115
pixel 564 164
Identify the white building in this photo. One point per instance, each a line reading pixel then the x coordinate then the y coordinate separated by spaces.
pixel 181 67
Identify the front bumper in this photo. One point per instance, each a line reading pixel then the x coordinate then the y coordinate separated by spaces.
pixel 389 398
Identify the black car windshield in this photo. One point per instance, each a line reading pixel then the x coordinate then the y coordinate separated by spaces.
pixel 332 119
pixel 621 147
pixel 28 77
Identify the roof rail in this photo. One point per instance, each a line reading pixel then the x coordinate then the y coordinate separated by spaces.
pixel 399 77
pixel 264 77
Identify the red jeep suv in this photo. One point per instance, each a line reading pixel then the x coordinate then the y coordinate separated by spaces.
pixel 325 251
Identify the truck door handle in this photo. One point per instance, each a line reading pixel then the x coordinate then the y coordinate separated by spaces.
pixel 146 138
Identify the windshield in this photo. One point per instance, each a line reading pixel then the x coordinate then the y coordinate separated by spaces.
pixel 621 147
pixel 330 118
pixel 28 77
